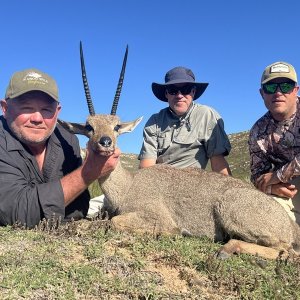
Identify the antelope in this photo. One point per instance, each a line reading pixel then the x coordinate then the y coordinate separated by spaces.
pixel 190 202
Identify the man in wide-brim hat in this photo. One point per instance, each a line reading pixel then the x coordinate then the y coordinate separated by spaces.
pixel 184 134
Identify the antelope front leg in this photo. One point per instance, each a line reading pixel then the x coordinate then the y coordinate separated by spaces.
pixel 135 222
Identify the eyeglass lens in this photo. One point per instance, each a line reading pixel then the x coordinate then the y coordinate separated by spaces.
pixel 285 87
pixel 184 90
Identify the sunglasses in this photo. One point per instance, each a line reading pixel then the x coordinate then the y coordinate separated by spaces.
pixel 184 90
pixel 285 87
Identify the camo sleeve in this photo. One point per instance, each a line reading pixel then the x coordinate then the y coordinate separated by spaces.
pixel 289 170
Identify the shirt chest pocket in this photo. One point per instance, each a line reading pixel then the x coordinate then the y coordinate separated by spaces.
pixel 180 136
pixel 186 136
pixel 164 140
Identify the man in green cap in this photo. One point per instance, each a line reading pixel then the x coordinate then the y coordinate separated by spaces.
pixel 41 170
pixel 274 142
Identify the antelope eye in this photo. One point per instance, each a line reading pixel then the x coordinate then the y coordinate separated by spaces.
pixel 117 127
pixel 88 127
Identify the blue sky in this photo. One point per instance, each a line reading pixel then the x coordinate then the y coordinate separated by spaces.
pixel 226 43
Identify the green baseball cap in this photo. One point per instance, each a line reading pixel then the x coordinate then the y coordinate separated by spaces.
pixel 279 69
pixel 31 80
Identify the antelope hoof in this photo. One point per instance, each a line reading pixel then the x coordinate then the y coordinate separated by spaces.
pixel 222 255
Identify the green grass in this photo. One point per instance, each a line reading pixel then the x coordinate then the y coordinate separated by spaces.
pixel 89 260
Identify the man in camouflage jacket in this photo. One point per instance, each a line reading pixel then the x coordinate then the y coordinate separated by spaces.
pixel 274 140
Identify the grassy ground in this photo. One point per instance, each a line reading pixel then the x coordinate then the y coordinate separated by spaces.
pixel 89 260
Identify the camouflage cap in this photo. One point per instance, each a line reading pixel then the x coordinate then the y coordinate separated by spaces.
pixel 31 80
pixel 279 70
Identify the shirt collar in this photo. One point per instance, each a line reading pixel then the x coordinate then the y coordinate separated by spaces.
pixel 184 116
pixel 13 144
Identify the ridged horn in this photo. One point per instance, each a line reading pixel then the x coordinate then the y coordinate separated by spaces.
pixel 120 84
pixel 85 84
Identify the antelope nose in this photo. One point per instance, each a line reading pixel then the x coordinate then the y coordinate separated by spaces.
pixel 105 141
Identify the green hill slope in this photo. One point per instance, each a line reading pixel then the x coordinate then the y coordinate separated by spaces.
pixel 239 159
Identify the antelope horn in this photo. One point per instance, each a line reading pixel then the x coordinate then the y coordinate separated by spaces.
pixel 120 84
pixel 85 84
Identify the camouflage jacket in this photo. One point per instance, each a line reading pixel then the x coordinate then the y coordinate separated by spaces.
pixel 275 147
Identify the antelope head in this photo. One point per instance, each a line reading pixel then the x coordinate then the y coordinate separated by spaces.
pixel 102 130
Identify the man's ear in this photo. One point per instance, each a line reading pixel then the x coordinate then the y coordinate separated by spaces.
pixel 3 106
pixel 194 91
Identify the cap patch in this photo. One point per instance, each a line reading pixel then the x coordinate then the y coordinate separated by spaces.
pixel 280 68
pixel 33 77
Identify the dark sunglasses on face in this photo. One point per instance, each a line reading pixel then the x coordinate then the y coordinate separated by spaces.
pixel 285 87
pixel 184 90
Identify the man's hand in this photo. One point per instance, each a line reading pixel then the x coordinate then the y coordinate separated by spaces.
pixel 278 188
pixel 96 165
pixel 220 165
pixel 285 190
pixel 93 167
pixel 265 180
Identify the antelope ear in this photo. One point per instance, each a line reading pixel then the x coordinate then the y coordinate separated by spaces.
pixel 129 126
pixel 75 128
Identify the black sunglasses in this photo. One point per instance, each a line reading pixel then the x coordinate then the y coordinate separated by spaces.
pixel 184 90
pixel 285 87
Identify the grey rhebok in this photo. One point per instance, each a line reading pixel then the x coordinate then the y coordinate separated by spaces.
pixel 194 202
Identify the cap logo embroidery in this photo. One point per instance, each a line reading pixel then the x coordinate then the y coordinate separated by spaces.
pixel 280 68
pixel 33 77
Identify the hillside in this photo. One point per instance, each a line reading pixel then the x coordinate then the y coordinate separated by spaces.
pixel 238 158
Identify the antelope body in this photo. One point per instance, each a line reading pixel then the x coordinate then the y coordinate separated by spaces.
pixel 165 200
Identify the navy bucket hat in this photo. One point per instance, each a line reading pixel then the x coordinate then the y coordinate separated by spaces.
pixel 174 76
